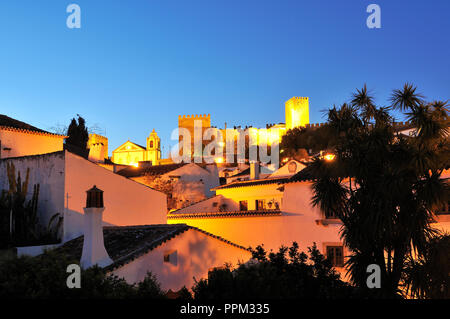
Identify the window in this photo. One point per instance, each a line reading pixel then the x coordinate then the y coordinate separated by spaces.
pixel 330 215
pixel 151 144
pixel 335 254
pixel 243 206
pixel 259 204
pixel 445 209
pixel 171 257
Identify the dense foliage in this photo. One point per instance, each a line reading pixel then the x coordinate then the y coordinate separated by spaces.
pixel 300 140
pixel 19 222
pixel 428 276
pixel 45 276
pixel 286 274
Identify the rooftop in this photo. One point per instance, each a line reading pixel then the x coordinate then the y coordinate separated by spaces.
pixel 154 170
pixel 247 213
pixel 255 182
pixel 126 243
pixel 16 125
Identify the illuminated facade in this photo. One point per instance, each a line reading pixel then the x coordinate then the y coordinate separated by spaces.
pixel 296 115
pixel 297 112
pixel 130 153
pixel 95 140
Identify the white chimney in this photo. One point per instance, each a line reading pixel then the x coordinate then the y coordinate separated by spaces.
pixel 94 252
pixel 254 170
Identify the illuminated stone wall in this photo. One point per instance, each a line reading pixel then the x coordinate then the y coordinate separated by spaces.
pixel 95 139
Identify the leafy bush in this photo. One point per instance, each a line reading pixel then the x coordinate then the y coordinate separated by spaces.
pixel 45 277
pixel 286 274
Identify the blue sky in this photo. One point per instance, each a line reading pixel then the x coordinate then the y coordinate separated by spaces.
pixel 136 65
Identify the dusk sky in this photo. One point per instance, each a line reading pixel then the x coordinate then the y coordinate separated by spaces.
pixel 136 65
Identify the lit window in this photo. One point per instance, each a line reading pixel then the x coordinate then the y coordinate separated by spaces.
pixel 259 203
pixel 335 254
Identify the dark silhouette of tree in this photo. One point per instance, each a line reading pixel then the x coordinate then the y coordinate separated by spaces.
pixel 305 138
pixel 77 133
pixel 387 208
pixel 427 276
pixel 45 277
pixel 286 274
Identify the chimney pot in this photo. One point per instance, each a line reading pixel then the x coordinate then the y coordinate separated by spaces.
pixel 94 197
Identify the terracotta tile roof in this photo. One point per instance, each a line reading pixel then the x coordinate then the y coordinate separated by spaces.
pixel 243 173
pixel 248 213
pixel 256 182
pixel 155 170
pixel 9 123
pixel 304 175
pixel 126 243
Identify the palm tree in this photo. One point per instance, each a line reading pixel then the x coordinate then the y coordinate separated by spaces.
pixel 382 185
pixel 427 275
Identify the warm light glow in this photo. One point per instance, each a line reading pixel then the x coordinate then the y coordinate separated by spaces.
pixel 219 160
pixel 285 160
pixel 135 164
pixel 329 157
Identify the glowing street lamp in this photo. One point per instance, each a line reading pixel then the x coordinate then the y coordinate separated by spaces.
pixel 329 157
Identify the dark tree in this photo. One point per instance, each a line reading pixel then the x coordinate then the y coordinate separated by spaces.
pixel 428 275
pixel 45 277
pixel 286 274
pixel 77 133
pixel 297 140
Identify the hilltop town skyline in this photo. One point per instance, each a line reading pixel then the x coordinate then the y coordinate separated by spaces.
pixel 133 69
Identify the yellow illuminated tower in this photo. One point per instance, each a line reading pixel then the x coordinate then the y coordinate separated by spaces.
pixel 297 112
pixel 153 148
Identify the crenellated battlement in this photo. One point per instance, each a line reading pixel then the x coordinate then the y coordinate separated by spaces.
pixel 195 117
pixel 312 125
pixel 395 124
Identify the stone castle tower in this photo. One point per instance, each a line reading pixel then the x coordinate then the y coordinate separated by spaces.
pixel 188 122
pixel 98 148
pixel 153 148
pixel 297 112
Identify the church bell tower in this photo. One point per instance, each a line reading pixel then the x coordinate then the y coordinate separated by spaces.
pixel 153 148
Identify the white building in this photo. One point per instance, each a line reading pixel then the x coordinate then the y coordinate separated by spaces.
pixel 192 182
pixel 21 139
pixel 240 213
pixel 175 254
pixel 64 178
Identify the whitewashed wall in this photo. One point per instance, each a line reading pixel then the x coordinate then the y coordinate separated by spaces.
pixel 46 170
pixel 24 144
pixel 194 173
pixel 297 222
pixel 127 202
